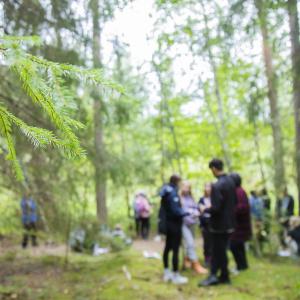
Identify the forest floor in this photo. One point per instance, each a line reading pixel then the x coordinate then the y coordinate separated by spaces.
pixel 41 273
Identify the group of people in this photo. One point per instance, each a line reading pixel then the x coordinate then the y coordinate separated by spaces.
pixel 260 205
pixel 225 217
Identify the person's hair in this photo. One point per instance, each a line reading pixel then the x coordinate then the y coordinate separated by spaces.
pixel 175 179
pixel 190 188
pixel 205 185
pixel 264 191
pixel 217 164
pixel 237 179
pixel 253 193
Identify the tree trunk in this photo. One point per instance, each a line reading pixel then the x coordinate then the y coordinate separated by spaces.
pixel 294 34
pixel 222 128
pixel 100 172
pixel 257 147
pixel 279 176
pixel 165 108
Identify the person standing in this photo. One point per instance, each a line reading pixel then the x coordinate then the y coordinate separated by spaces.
pixel 267 211
pixel 204 204
pixel 222 223
pixel 173 214
pixel 142 212
pixel 137 219
pixel 145 212
pixel 257 215
pixel 29 221
pixel 256 207
pixel 266 199
pixel 243 231
pixel 188 229
pixel 285 206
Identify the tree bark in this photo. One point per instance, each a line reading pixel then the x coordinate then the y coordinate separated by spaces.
pixel 278 153
pixel 295 53
pixel 222 128
pixel 165 108
pixel 99 161
pixel 258 153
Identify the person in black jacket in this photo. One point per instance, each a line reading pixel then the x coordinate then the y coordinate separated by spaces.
pixel 222 222
pixel 285 205
pixel 173 218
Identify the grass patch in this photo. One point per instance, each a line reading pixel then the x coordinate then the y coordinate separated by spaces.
pixel 102 278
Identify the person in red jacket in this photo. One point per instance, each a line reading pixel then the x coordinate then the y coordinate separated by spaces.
pixel 242 232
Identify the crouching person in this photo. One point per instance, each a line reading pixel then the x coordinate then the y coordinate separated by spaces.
pixel 294 234
pixel 173 214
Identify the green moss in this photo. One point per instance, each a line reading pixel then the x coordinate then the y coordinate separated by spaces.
pixel 103 278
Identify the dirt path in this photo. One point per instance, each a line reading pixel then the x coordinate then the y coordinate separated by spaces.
pixel 8 247
pixel 150 245
pixel 11 248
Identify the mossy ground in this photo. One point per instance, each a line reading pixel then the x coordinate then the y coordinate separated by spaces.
pixel 27 277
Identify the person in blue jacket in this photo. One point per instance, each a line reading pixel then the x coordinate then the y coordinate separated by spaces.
pixel 29 220
pixel 174 214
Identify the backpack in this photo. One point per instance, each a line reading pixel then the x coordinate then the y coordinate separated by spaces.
pixel 162 216
pixel 142 207
pixel 162 220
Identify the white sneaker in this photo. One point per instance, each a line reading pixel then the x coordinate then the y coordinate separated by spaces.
pixel 235 272
pixel 168 275
pixel 178 279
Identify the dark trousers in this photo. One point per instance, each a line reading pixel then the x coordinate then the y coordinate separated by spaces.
pixel 239 253
pixel 173 240
pixel 29 232
pixel 206 235
pixel 137 226
pixel 219 260
pixel 145 227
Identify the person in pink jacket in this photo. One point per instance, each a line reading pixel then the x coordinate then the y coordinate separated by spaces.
pixel 142 214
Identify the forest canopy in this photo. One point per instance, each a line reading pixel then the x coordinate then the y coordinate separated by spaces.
pixel 202 79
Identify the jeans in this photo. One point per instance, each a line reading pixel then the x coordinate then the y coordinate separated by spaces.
pixel 189 242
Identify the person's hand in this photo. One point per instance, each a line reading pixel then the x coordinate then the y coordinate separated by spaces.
pixel 190 211
pixel 201 208
pixel 208 206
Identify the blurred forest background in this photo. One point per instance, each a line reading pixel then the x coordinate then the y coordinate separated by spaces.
pixel 210 79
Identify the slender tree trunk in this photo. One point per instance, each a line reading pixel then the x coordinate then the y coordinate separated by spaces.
pixel 99 161
pixel 165 108
pixel 175 140
pixel 294 34
pixel 257 147
pixel 222 128
pixel 162 144
pixel 279 177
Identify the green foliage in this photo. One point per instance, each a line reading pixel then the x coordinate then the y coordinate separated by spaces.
pixel 44 82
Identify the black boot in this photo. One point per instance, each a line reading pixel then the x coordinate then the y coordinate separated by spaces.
pixel 209 281
pixel 224 280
